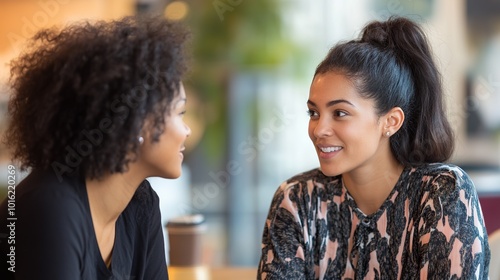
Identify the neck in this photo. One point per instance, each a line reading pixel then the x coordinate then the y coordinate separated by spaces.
pixel 110 195
pixel 371 185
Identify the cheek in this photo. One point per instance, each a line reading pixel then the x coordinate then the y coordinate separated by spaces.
pixel 365 129
pixel 352 132
pixel 364 137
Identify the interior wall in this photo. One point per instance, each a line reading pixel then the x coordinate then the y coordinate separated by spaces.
pixel 22 19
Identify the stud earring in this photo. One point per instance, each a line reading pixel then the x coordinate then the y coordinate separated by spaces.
pixel 387 134
pixel 140 139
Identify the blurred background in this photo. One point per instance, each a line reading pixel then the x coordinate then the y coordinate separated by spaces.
pixel 253 62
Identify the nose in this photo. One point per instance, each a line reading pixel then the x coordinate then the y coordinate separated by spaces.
pixel 188 130
pixel 322 128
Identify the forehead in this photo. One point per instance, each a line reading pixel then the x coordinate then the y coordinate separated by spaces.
pixel 333 85
pixel 179 96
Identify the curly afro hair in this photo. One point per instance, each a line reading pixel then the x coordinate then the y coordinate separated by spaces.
pixel 83 94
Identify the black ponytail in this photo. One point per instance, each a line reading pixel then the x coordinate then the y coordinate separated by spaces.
pixel 392 64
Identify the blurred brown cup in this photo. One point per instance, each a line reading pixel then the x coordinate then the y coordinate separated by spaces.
pixel 185 235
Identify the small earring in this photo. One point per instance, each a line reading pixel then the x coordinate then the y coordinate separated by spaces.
pixel 141 140
pixel 387 134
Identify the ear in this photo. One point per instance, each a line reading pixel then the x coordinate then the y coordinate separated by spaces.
pixel 392 121
pixel 146 132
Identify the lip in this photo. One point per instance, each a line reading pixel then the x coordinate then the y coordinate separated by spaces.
pixel 323 155
pixel 180 152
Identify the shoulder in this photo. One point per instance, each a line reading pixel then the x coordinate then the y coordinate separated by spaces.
pixel 442 169
pixel 145 195
pixel 50 215
pixel 446 185
pixel 43 193
pixel 443 175
pixel 310 183
pixel 144 203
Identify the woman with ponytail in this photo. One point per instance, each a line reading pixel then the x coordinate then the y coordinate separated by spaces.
pixel 384 203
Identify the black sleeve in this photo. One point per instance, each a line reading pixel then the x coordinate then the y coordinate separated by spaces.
pixel 47 238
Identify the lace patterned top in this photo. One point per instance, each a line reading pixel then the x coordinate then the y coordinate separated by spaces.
pixel 430 227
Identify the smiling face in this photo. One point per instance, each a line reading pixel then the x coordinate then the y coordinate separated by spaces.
pixel 164 158
pixel 344 127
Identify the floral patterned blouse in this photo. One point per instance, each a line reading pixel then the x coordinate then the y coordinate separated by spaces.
pixel 430 227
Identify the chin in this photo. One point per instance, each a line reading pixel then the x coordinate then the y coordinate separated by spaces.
pixel 330 171
pixel 173 175
pixel 170 174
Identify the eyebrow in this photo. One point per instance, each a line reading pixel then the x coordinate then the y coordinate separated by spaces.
pixel 331 103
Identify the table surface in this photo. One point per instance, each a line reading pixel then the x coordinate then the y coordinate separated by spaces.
pixel 212 273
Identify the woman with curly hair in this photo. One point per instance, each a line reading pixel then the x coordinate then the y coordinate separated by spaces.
pixel 383 204
pixel 96 108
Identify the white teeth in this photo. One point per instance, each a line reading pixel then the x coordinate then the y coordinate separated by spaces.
pixel 330 149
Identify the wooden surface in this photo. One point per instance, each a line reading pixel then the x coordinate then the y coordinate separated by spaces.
pixel 212 273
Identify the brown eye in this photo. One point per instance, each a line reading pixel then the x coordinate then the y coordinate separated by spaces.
pixel 312 113
pixel 339 113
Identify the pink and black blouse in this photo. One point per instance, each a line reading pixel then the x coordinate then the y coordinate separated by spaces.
pixel 430 227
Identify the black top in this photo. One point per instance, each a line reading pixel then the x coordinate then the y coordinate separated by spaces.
pixel 47 233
